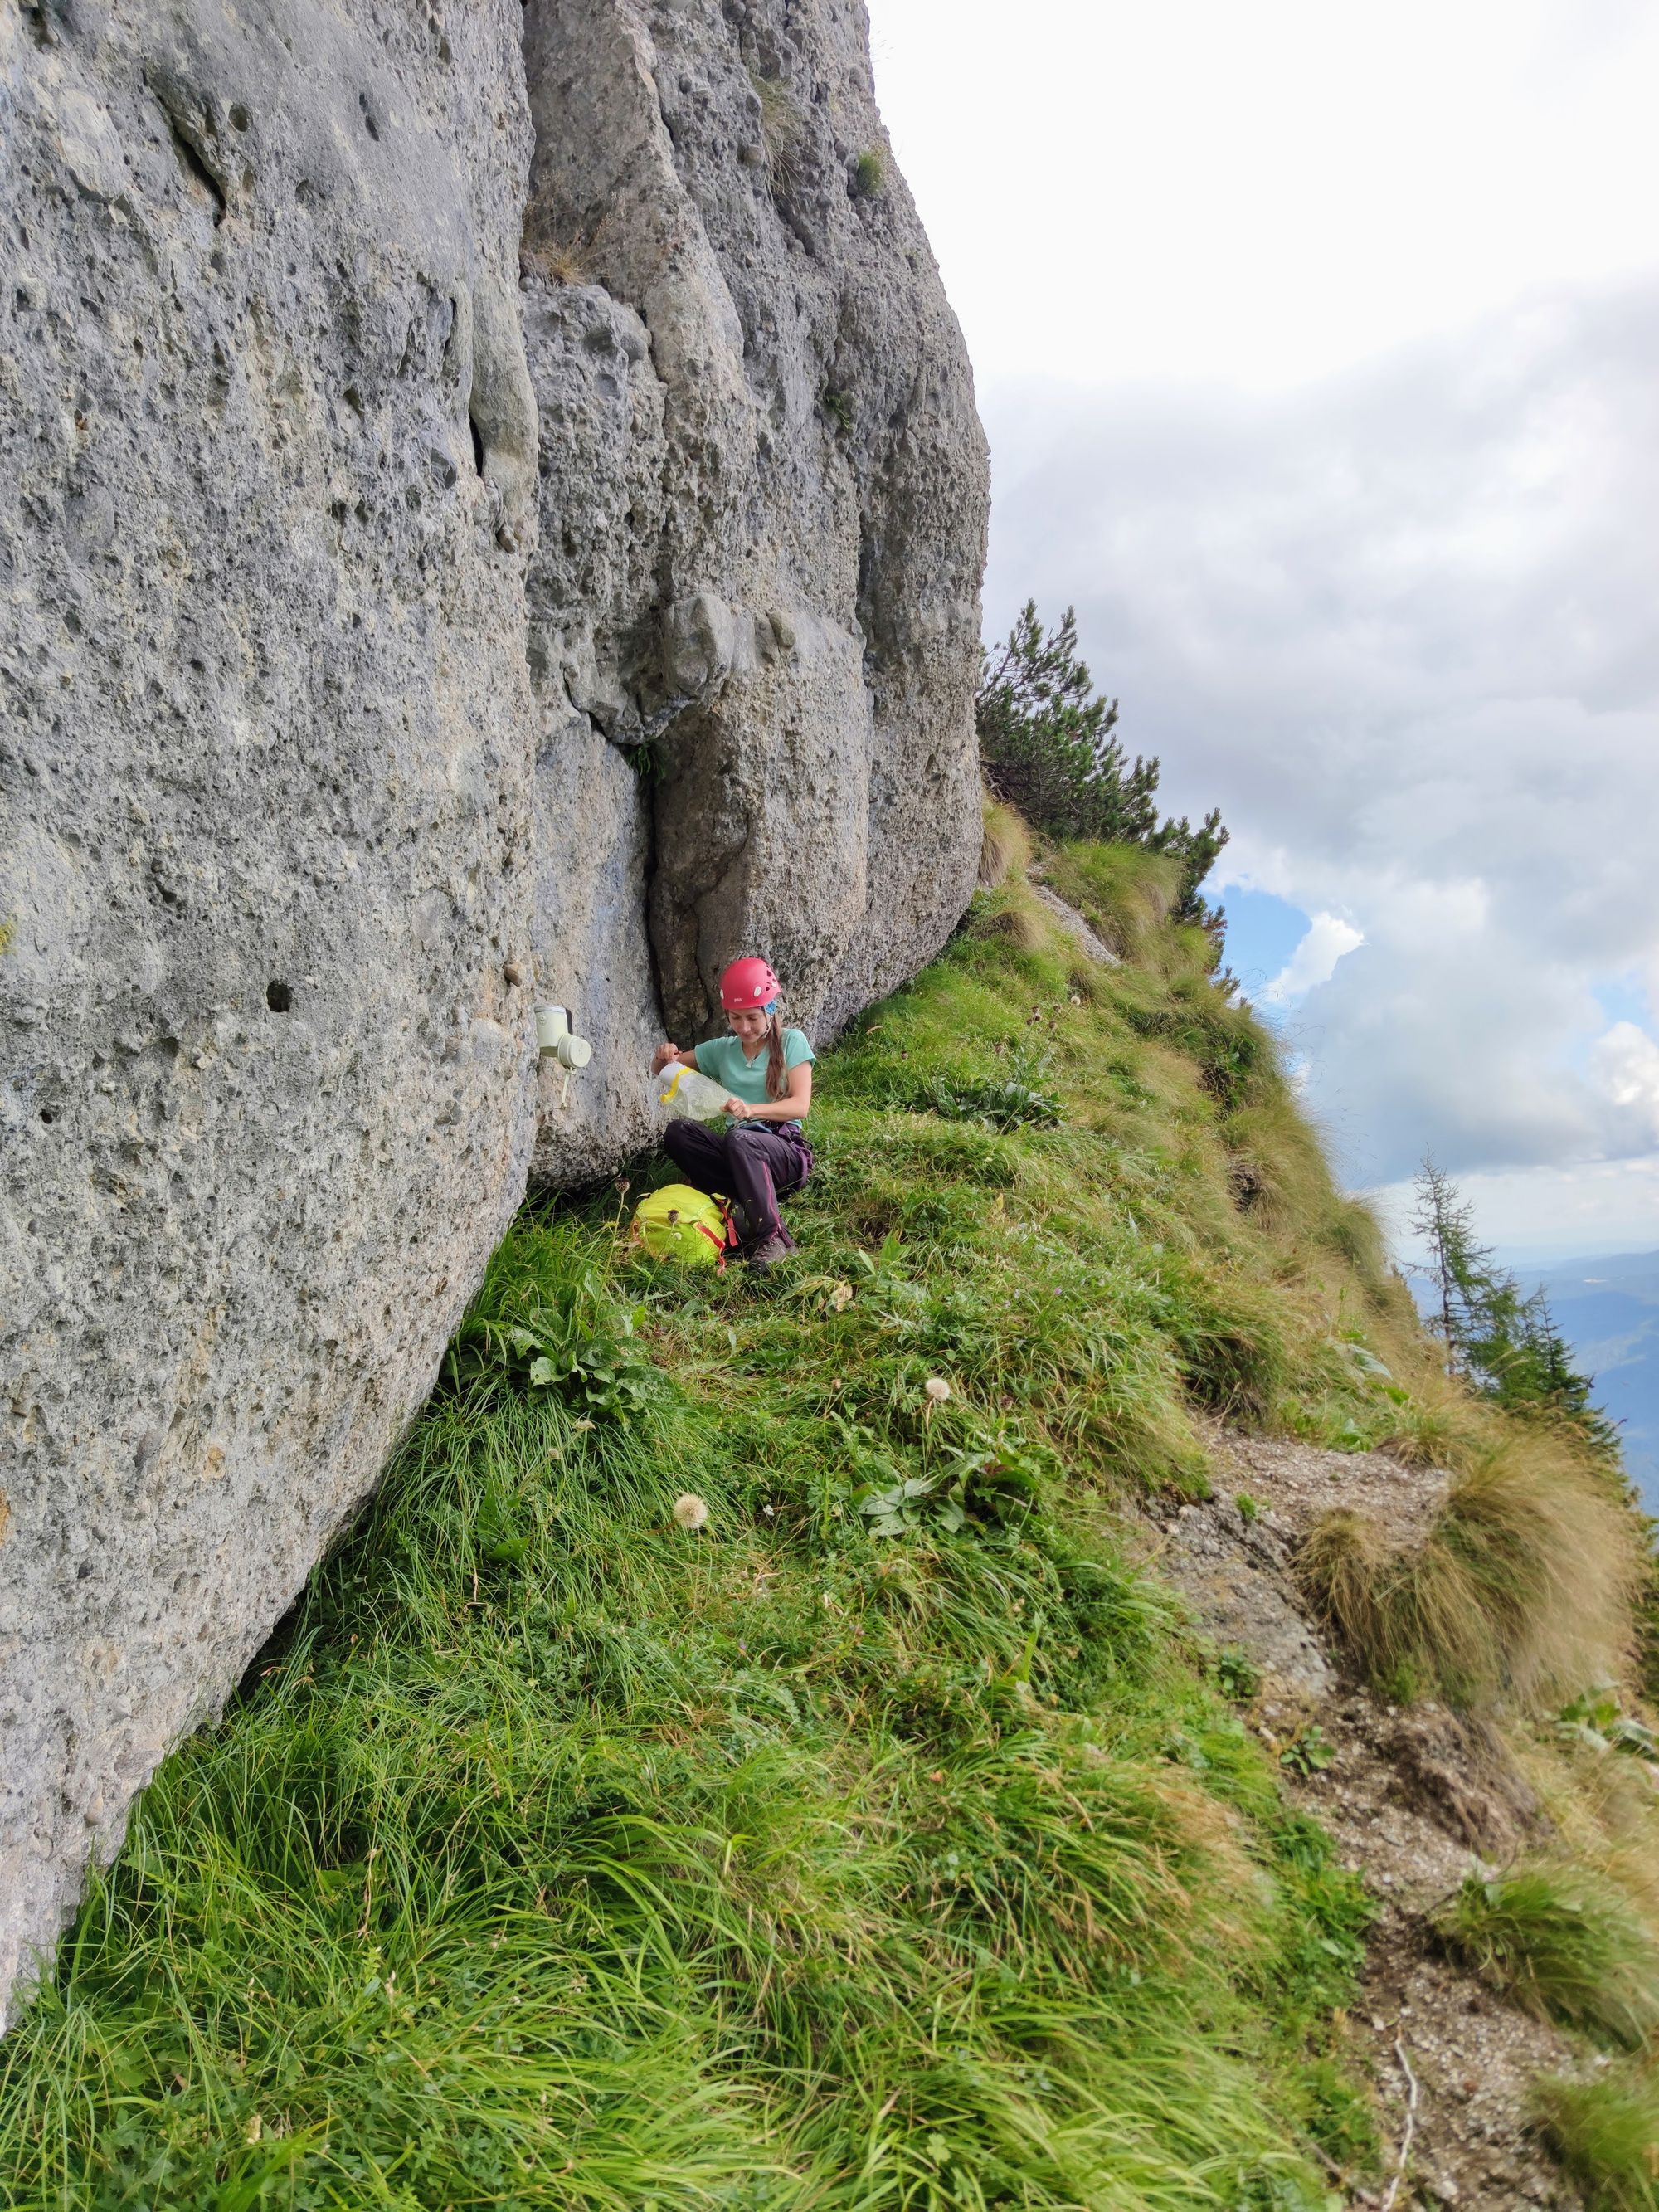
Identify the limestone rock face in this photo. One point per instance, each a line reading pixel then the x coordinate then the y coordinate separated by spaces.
pixel 267 473
pixel 444 564
pixel 773 591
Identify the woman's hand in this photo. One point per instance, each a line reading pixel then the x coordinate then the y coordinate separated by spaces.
pixel 738 1108
pixel 663 1054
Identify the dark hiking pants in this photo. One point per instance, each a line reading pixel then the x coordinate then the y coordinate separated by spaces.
pixel 753 1161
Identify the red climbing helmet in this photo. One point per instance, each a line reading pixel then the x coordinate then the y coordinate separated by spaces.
pixel 749 982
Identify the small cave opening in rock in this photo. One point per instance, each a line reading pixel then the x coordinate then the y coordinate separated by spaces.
pixel 477 445
pixel 279 997
pixel 196 168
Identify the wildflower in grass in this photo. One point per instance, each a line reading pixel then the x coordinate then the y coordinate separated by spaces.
pixel 691 1512
pixel 937 1390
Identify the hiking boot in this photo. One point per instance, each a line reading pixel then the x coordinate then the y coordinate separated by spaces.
pixel 771 1249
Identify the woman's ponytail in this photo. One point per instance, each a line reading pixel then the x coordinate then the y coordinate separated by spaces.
pixel 777 1075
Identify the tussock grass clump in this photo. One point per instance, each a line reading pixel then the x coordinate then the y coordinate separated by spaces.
pixel 867 180
pixel 1285 1184
pixel 1523 1584
pixel 783 131
pixel 1563 1946
pixel 1014 915
pixel 556 264
pixel 1606 2133
pixel 1004 844
pixel 546 251
pixel 1603 1807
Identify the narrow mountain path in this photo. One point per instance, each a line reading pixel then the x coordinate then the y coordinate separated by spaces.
pixel 1414 1795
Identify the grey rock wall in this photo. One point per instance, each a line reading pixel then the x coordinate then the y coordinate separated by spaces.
pixel 394 631
pixel 267 870
pixel 742 350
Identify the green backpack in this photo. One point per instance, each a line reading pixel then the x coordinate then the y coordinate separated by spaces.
pixel 678 1223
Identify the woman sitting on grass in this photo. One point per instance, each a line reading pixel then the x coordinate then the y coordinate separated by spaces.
pixel 768 1073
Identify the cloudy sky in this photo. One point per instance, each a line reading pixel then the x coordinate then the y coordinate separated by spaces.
pixel 1319 350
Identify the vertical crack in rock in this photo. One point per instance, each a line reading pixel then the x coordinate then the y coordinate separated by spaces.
pixel 801 645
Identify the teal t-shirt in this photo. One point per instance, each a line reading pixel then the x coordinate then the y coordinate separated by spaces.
pixel 721 1060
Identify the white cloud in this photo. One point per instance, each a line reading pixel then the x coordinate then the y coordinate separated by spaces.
pixel 1626 1063
pixel 1548 1213
pixel 1118 191
pixel 1328 939
pixel 1349 463
pixel 1399 627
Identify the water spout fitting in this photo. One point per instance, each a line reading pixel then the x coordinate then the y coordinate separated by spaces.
pixel 555 1039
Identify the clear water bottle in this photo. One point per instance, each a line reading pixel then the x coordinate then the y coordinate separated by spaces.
pixel 678 1089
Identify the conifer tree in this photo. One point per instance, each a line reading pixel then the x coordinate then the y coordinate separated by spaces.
pixel 1504 1346
pixel 1459 1267
pixel 1046 739
pixel 1048 747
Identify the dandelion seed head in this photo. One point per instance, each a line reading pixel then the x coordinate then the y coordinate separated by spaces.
pixel 937 1389
pixel 690 1511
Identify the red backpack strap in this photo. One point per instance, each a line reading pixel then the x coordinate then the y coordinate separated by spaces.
pixel 727 1240
pixel 720 1244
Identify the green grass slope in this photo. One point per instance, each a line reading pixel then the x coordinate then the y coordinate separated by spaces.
pixel 890 1841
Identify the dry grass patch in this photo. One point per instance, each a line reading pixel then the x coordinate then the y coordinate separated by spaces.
pixel 783 129
pixel 552 254
pixel 1004 844
pixel 555 264
pixel 1523 1584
